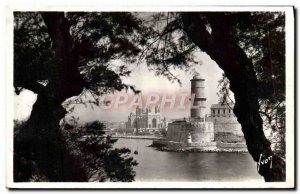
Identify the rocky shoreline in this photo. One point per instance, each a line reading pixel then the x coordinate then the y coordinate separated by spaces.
pixel 164 148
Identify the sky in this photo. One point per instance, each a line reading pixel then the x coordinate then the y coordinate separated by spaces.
pixel 147 82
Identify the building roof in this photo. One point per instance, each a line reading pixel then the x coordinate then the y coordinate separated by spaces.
pixel 197 76
pixel 219 106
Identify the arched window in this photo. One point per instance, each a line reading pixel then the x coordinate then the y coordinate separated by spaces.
pixel 135 123
pixel 154 123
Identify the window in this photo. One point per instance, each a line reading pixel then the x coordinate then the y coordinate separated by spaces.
pixel 154 123
pixel 229 110
pixel 224 111
pixel 213 111
pixel 218 111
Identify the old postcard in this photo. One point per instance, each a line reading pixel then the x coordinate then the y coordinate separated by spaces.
pixel 150 97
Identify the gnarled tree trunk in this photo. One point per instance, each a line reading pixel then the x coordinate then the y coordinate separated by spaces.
pixel 238 68
pixel 41 139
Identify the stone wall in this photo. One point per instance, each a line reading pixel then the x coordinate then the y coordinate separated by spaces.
pixel 199 131
pixel 176 132
pixel 216 146
pixel 226 125
pixel 229 137
pixel 232 146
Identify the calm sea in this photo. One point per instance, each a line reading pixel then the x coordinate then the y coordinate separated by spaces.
pixel 178 166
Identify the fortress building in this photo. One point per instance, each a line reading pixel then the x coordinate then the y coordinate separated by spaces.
pixel 218 132
pixel 226 126
pixel 224 120
pixel 194 131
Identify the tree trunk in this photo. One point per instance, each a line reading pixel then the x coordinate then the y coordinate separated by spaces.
pixel 41 139
pixel 41 144
pixel 238 68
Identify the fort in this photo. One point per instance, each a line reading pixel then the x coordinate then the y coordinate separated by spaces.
pixel 219 131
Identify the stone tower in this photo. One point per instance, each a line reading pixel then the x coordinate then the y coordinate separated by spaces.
pixel 197 89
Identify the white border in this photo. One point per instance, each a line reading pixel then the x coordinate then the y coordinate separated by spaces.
pixel 289 98
pixel 142 8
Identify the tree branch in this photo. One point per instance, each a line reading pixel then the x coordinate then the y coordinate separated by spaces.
pixel 238 68
pixel 32 86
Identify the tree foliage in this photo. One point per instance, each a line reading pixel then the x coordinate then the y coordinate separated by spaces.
pixel 97 40
pixel 263 39
pixel 33 56
pixel 96 154
pixel 167 47
pixel 58 55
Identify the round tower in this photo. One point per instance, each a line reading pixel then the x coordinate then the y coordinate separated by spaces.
pixel 197 90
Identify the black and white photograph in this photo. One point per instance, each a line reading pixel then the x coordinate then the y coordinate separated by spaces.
pixel 185 97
